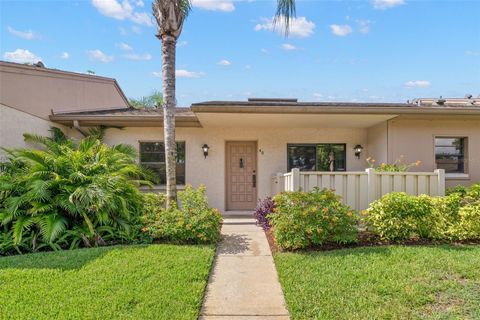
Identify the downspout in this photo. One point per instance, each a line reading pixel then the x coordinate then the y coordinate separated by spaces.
pixel 76 125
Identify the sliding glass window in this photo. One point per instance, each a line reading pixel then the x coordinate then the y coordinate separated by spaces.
pixel 317 157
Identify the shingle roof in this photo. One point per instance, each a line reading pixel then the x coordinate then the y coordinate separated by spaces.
pixel 279 102
pixel 183 112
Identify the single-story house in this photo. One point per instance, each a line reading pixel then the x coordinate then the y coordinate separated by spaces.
pixel 236 147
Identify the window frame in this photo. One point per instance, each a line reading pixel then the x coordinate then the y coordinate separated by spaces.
pixel 464 153
pixel 316 153
pixel 163 142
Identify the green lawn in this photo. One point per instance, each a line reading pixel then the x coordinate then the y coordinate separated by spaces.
pixel 131 282
pixel 383 283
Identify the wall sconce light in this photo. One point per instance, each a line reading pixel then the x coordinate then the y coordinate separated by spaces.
pixel 205 148
pixel 358 150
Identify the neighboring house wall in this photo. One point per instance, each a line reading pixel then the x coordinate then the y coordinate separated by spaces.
pixel 377 146
pixel 273 143
pixel 14 123
pixel 414 138
pixel 39 90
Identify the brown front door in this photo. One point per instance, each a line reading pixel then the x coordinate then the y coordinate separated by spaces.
pixel 241 175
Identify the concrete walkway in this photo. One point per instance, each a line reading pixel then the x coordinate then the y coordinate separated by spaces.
pixel 244 282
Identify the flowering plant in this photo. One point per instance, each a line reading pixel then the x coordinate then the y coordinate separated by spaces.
pixel 398 166
pixel 263 209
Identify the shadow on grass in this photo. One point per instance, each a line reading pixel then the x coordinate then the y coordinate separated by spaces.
pixel 62 260
pixel 385 250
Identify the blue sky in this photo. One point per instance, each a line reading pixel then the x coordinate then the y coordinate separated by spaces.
pixel 379 50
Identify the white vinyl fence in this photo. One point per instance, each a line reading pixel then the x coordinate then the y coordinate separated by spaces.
pixel 359 189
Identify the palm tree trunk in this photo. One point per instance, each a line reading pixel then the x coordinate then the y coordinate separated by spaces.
pixel 168 78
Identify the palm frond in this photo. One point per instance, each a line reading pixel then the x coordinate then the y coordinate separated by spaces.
pixel 126 149
pixel 286 11
pixel 57 135
pixel 51 226
pixel 97 132
pixel 21 224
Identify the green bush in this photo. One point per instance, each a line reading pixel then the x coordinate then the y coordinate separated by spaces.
pixel 69 194
pixel 304 219
pixel 398 216
pixel 460 189
pixel 468 223
pixel 152 204
pixel 463 214
pixel 193 222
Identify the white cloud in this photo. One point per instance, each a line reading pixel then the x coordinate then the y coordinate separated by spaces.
pixel 65 56
pixel 248 67
pixel 21 56
pixel 418 84
pixel 28 35
pixel 214 5
pixel 122 11
pixel 139 3
pixel 157 74
pixel 288 47
pixel 472 53
pixel 99 56
pixel 298 27
pixel 317 95
pixel 142 18
pixel 341 30
pixel 224 63
pixel 124 46
pixel 181 73
pixel 113 9
pixel 263 50
pixel 182 44
pixel 138 57
pixel 386 4
pixel 364 26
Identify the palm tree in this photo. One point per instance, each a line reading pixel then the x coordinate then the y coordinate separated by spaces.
pixel 170 16
pixel 154 100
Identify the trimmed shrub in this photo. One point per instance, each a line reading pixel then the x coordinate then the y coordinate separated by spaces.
pixel 193 222
pixel 462 190
pixel 445 215
pixel 263 209
pixel 468 224
pixel 304 219
pixel 461 211
pixel 398 216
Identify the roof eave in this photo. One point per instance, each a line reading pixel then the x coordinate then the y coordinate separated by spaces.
pixel 291 109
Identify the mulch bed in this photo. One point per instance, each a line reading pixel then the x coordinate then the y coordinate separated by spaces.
pixel 367 239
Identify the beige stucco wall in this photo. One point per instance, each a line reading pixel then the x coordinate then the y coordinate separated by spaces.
pixel 14 123
pixel 377 137
pixel 37 91
pixel 414 138
pixel 273 143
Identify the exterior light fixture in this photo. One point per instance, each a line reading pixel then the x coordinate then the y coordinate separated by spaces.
pixel 358 150
pixel 205 148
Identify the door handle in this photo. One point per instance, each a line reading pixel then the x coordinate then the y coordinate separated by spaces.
pixel 254 180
